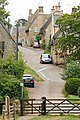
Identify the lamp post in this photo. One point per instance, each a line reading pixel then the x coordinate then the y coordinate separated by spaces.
pixel 22 85
pixel 17 40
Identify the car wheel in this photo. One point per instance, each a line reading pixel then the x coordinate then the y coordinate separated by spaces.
pixel 32 85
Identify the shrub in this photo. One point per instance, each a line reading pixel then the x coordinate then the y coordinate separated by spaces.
pixel 78 91
pixel 13 67
pixel 71 70
pixel 9 86
pixel 72 85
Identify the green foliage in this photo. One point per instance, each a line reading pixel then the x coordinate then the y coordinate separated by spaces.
pixel 70 40
pixel 71 70
pixel 78 91
pixel 9 86
pixel 3 14
pixel 38 38
pixel 72 85
pixel 12 67
pixel 11 72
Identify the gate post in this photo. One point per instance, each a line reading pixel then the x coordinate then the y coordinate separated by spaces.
pixel 21 106
pixel 43 106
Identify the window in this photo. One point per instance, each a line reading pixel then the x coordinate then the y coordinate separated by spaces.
pixel 1 49
pixel 55 18
pixel 35 29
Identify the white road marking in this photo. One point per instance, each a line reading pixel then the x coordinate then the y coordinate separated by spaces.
pixel 44 76
pixel 43 69
pixel 42 73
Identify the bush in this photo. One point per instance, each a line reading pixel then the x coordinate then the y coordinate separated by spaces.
pixel 9 86
pixel 72 85
pixel 12 67
pixel 71 70
pixel 78 91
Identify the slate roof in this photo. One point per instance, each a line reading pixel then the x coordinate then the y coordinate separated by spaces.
pixel 6 31
pixel 31 20
pixel 55 36
pixel 43 28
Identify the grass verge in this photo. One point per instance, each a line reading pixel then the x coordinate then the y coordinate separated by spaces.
pixel 51 117
pixel 36 77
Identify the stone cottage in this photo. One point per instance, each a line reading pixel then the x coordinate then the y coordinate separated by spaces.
pixel 34 24
pixel 42 24
pixel 50 27
pixel 57 55
pixel 7 43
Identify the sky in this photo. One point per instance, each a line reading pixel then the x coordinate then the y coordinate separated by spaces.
pixel 20 8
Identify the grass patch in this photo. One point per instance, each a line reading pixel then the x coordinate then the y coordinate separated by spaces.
pixel 36 77
pixel 76 98
pixel 51 117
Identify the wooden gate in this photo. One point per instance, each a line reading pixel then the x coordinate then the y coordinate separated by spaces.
pixel 50 106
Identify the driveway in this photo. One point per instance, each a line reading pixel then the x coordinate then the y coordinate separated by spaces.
pixel 52 85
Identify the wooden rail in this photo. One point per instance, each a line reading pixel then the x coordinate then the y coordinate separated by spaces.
pixel 9 115
pixel 8 111
pixel 50 106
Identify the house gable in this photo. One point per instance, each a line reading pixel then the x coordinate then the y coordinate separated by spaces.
pixel 8 45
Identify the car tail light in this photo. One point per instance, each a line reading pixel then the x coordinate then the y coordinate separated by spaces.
pixel 32 81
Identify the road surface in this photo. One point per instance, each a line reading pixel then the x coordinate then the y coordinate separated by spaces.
pixel 52 85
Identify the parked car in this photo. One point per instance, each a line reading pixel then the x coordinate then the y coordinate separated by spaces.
pixel 36 45
pixel 28 80
pixel 45 58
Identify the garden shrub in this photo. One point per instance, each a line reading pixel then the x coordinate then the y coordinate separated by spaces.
pixel 78 91
pixel 9 86
pixel 12 66
pixel 71 70
pixel 72 85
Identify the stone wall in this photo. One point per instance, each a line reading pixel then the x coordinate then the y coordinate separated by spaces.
pixel 9 43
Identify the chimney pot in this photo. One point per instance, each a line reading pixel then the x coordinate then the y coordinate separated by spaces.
pixel 40 8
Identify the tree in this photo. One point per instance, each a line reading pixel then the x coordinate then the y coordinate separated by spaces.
pixel 70 40
pixel 3 14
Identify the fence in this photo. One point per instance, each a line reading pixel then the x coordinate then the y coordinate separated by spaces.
pixel 8 111
pixel 50 106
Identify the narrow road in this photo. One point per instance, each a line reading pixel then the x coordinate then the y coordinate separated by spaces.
pixel 52 85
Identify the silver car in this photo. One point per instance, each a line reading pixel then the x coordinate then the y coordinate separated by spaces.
pixel 45 58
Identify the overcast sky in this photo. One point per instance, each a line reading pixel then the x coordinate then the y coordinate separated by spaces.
pixel 20 8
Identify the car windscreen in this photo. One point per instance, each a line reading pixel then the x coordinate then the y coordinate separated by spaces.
pixel 26 78
pixel 46 56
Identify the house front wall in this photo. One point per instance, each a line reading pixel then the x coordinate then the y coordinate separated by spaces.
pixel 57 56
pixel 35 28
pixel 48 35
pixel 9 44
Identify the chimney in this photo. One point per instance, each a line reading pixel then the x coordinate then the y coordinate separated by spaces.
pixel 74 9
pixel 41 9
pixel 30 12
pixel 57 7
pixel 52 10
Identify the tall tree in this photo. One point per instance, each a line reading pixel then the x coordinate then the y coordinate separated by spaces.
pixel 70 40
pixel 3 13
